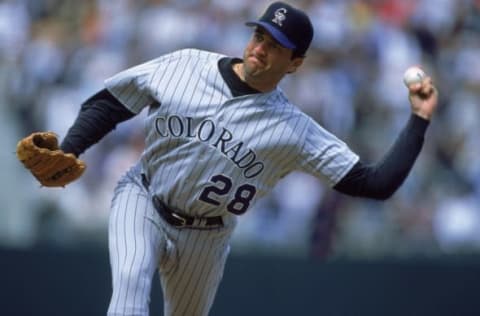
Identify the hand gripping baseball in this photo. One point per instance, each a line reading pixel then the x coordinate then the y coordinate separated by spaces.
pixel 423 95
pixel 39 153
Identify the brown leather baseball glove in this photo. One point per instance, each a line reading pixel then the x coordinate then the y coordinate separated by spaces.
pixel 39 153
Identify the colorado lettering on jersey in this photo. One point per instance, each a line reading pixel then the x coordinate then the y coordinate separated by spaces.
pixel 207 132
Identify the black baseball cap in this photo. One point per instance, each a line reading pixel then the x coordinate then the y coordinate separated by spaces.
pixel 290 26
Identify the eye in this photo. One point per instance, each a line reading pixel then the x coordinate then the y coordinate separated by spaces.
pixel 258 37
pixel 275 45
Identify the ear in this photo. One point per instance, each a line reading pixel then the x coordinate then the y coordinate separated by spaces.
pixel 294 64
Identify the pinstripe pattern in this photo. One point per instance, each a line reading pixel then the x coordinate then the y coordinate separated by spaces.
pixel 207 153
pixel 188 86
pixel 190 262
pixel 190 288
pixel 134 245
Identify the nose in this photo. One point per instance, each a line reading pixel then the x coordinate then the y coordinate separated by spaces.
pixel 260 49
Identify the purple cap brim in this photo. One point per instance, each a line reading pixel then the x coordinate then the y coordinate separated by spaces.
pixel 279 36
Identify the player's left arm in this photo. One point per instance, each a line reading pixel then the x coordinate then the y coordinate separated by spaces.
pixel 381 180
pixel 98 115
pixel 57 166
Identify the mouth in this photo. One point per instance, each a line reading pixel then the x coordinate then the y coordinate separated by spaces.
pixel 255 60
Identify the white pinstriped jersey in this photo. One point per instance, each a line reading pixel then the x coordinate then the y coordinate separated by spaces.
pixel 208 152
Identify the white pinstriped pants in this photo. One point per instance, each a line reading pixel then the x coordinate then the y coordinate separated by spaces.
pixel 190 262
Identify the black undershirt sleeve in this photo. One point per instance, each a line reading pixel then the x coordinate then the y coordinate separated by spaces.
pixel 97 117
pixel 381 180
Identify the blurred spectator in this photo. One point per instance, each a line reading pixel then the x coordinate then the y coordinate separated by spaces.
pixel 457 224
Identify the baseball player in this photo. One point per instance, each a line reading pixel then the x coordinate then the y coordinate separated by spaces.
pixel 218 135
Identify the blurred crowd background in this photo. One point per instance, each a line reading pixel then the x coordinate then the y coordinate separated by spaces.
pixel 56 53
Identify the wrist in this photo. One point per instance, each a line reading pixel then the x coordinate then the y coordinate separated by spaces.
pixel 423 115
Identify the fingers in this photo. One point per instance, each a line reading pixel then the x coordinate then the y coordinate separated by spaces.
pixel 423 89
pixel 427 86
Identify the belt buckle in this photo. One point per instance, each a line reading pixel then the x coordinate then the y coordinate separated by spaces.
pixel 183 221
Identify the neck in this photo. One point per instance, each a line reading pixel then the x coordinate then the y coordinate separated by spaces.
pixel 239 69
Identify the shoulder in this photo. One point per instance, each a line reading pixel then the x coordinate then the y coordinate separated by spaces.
pixel 287 114
pixel 280 101
pixel 306 127
pixel 194 54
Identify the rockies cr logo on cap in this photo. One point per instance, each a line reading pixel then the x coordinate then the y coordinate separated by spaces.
pixel 280 16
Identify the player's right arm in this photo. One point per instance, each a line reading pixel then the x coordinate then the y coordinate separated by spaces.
pixel 97 117
pixel 382 179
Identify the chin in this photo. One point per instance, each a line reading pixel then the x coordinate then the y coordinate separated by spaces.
pixel 254 69
pixel 249 68
pixel 252 73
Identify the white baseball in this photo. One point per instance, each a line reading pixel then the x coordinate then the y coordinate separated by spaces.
pixel 413 75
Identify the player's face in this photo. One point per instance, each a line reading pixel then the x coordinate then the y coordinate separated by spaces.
pixel 265 61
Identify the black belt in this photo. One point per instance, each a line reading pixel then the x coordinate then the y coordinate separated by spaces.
pixel 182 220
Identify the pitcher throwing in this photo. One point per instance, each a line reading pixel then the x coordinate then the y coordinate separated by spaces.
pixel 220 134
